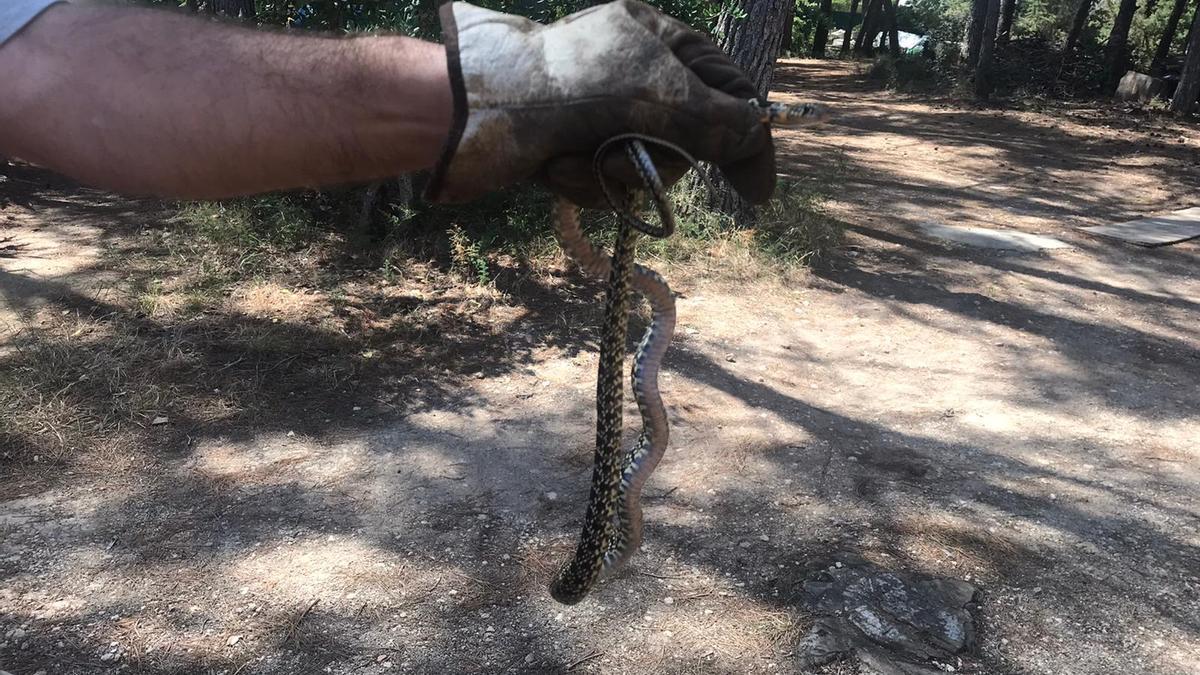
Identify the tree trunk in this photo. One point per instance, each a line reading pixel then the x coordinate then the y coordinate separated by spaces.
pixel 846 36
pixel 865 42
pixel 193 6
pixel 1116 54
pixel 1159 63
pixel 893 29
pixel 1008 12
pixel 987 46
pixel 752 43
pixel 789 23
pixel 979 10
pixel 1188 90
pixel 822 35
pixel 1077 25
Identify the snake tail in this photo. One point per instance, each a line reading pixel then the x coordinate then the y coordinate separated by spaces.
pixel 651 445
pixel 793 115
pixel 600 522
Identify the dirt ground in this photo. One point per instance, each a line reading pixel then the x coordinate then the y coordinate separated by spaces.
pixel 1026 422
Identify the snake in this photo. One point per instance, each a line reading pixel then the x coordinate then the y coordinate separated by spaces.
pixel 612 525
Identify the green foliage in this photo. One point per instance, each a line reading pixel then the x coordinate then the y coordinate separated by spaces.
pixel 945 20
pixel 466 256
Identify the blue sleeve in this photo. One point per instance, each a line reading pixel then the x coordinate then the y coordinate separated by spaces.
pixel 14 14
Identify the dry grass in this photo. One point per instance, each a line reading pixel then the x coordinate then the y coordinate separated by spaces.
pixel 950 546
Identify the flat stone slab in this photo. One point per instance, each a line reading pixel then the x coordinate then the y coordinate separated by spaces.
pixel 897 623
pixel 999 240
pixel 1170 228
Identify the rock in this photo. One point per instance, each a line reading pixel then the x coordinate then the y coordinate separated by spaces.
pixel 233 640
pixel 16 634
pixel 1138 87
pixel 893 621
pixel 823 643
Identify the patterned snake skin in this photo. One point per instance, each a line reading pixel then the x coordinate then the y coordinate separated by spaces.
pixel 612 528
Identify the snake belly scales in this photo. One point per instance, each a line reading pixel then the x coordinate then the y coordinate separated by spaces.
pixel 612 527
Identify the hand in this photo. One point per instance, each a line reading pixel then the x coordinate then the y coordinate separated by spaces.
pixel 534 101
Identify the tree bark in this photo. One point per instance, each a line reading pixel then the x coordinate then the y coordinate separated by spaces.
pixel 983 68
pixel 893 29
pixel 846 36
pixel 1188 90
pixel 979 10
pixel 1116 54
pixel 865 42
pixel 752 43
pixel 1081 16
pixel 1159 63
pixel 789 23
pixel 1008 12
pixel 824 18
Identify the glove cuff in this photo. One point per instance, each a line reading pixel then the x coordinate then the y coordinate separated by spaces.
pixel 458 89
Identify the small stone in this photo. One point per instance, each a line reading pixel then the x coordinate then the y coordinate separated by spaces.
pixel 159 420
pixel 291 434
pixel 529 657
pixel 16 634
pixel 551 496
pixel 729 358
pixel 744 544
pixel 233 640
pixel 668 600
pixel 764 537
pixel 357 408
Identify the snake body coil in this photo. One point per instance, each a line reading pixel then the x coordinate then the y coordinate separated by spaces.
pixel 612 529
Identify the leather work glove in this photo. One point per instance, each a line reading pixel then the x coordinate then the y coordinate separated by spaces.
pixel 536 101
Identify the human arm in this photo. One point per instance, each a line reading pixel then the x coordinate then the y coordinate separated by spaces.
pixel 151 102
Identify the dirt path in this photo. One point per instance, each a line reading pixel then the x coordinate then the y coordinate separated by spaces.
pixel 1026 422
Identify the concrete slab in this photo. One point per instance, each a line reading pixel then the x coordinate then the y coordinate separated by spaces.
pixel 1170 228
pixel 1001 240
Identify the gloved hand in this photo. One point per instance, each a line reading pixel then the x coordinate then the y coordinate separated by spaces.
pixel 535 101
